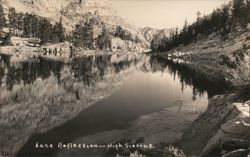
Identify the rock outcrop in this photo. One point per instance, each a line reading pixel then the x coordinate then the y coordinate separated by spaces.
pixel 156 34
pixel 222 130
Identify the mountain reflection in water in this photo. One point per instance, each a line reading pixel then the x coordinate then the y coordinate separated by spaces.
pixel 50 102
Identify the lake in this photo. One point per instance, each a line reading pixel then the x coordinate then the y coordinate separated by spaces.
pixel 97 100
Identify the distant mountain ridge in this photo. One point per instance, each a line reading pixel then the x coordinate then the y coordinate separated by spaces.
pixel 153 33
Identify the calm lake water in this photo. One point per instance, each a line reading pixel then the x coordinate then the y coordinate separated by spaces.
pixel 50 102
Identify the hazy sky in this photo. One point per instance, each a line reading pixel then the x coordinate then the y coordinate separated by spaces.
pixel 164 13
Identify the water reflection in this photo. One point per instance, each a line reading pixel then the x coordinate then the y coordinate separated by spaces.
pixel 51 101
pixel 191 76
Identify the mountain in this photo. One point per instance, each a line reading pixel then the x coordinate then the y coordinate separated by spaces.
pixel 152 33
pixel 73 12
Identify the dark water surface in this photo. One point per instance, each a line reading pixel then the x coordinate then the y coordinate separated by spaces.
pixel 50 102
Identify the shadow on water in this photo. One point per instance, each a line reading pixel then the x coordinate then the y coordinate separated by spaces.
pixel 97 76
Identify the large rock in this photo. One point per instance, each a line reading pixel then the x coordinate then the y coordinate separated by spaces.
pixel 232 135
pixel 248 26
pixel 224 127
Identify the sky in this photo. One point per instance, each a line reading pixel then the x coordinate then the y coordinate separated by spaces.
pixel 164 13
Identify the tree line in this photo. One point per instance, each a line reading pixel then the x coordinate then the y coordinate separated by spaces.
pixel 30 26
pixel 2 17
pixel 222 21
pixel 91 33
pixel 2 22
pixel 84 35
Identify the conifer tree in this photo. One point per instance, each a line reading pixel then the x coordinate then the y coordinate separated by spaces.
pixel 12 19
pixel 153 45
pixel 225 21
pixel 27 25
pixel 2 17
pixel 77 37
pixel 198 14
pixel 88 35
pixel 238 6
pixel 239 12
pixel 248 10
pixel 45 31
pixel 104 40
pixel 58 32
pixel 185 25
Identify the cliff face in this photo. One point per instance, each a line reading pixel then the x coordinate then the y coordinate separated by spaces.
pixel 54 9
pixel 156 34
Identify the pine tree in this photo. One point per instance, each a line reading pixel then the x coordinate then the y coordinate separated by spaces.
pixel 237 7
pixel 198 14
pixel 27 25
pixel 119 32
pixel 15 21
pixel 185 25
pixel 2 18
pixel 153 45
pixel 31 26
pixel 45 31
pixel 221 21
pixel 6 39
pixel 58 32
pixel 104 40
pixel 239 12
pixel 176 33
pixel 20 23
pixel 35 26
pixel 77 38
pixel 248 10
pixel 12 19
pixel 88 35
pixel 225 21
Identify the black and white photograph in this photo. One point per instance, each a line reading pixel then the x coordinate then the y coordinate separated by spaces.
pixel 124 78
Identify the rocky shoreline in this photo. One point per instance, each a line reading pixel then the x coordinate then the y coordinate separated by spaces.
pixel 223 129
